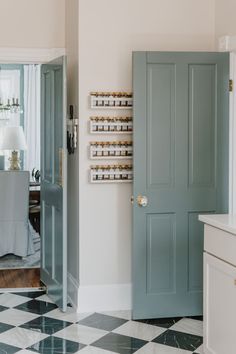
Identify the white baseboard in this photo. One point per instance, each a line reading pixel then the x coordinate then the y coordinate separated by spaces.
pixel 73 288
pixel 104 298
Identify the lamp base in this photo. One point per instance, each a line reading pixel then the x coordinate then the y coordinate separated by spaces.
pixel 14 161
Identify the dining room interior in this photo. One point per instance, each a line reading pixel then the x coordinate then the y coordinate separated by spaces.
pixel 20 173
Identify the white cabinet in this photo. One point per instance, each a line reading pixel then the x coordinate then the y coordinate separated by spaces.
pixel 219 306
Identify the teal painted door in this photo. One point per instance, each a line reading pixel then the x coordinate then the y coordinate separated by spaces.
pixel 54 181
pixel 181 114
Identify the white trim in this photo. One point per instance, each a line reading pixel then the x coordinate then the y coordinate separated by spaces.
pixel 29 55
pixel 72 290
pixel 104 298
pixel 232 138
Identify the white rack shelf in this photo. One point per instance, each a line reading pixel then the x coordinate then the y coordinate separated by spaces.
pixel 111 174
pixel 111 150
pixel 111 100
pixel 111 125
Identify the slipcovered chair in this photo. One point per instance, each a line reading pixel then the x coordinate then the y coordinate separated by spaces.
pixel 15 236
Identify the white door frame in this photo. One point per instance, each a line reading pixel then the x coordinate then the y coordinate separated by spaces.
pixel 228 44
pixel 232 137
pixel 29 55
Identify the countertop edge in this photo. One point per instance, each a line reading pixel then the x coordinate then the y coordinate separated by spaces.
pixel 225 222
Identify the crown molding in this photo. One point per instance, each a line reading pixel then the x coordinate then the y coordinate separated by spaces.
pixel 29 55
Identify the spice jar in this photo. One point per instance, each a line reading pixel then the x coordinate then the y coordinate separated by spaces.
pixel 106 172
pixel 112 172
pixel 117 148
pixel 99 148
pixel 123 146
pixel 130 125
pixel 105 126
pixel 93 146
pixel 117 172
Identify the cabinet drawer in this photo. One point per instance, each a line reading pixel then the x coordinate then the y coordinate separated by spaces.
pixel 220 243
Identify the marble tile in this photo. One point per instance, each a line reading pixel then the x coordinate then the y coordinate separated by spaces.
pixel 93 350
pixel 12 300
pixel 21 338
pixel 154 348
pixel 161 322
pixel 188 325
pixel 119 344
pixel 199 350
pixel 179 340
pixel 139 330
pixel 16 317
pixel 125 314
pixel 4 327
pixel 198 318
pixel 45 298
pixel 81 334
pixel 38 307
pixel 46 325
pixel 3 308
pixel 100 321
pixel 24 351
pixel 31 294
pixel 8 349
pixel 53 345
pixel 70 315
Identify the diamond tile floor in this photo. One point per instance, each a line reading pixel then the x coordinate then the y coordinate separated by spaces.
pixel 31 323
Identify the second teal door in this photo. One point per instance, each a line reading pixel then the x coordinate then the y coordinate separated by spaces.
pixel 181 114
pixel 54 181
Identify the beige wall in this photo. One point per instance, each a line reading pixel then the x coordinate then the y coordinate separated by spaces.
pixel 72 43
pixel 32 23
pixel 225 23
pixel 108 33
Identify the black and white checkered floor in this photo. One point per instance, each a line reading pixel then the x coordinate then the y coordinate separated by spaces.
pixel 31 323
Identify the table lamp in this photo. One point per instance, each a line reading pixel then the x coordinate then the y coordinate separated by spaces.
pixel 13 139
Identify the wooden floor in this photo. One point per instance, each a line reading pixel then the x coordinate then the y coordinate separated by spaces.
pixel 20 278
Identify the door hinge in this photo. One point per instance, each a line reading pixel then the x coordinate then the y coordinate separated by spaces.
pixel 231 85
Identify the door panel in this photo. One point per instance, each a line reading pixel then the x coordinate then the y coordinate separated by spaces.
pixel 160 253
pixel 195 252
pixel 161 98
pixel 202 124
pixel 180 163
pixel 53 181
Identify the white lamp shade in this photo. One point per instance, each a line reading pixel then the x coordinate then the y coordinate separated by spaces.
pixel 13 139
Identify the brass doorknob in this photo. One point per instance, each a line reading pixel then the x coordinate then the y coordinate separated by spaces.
pixel 142 200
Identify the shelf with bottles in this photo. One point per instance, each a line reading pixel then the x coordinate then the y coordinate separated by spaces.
pixel 118 173
pixel 111 100
pixel 111 125
pixel 111 150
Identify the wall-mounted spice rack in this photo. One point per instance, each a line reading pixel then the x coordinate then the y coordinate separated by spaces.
pixel 111 125
pixel 111 100
pixel 111 150
pixel 111 173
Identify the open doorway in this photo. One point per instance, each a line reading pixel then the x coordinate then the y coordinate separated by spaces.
pixel 20 190
pixel 33 179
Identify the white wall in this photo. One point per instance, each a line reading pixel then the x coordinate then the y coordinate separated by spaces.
pixel 32 23
pixel 225 23
pixel 72 42
pixel 108 33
